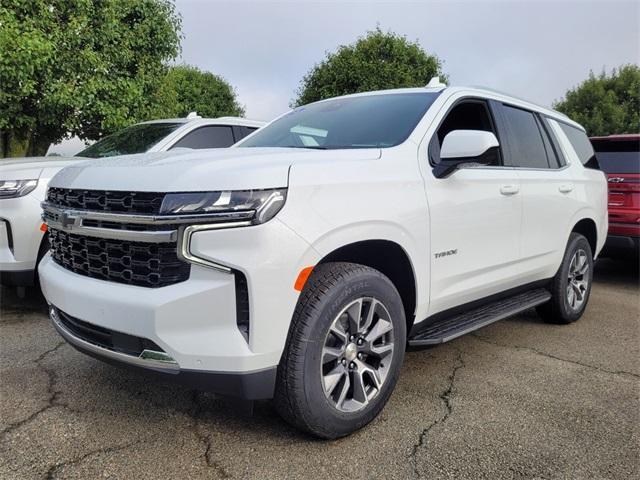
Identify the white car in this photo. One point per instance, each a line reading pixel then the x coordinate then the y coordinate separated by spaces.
pixel 299 263
pixel 23 182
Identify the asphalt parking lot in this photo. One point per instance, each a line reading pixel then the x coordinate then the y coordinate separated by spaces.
pixel 518 399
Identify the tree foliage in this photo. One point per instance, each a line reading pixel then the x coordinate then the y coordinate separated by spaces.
pixel 376 61
pixel 606 104
pixel 79 67
pixel 187 89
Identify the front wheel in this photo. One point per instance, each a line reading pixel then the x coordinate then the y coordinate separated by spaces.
pixel 571 287
pixel 344 350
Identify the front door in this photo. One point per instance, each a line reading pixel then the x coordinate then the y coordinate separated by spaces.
pixel 475 218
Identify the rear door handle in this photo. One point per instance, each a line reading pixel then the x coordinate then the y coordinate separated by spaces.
pixel 509 189
pixel 566 188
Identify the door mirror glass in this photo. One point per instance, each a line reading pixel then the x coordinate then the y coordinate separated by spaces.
pixel 467 144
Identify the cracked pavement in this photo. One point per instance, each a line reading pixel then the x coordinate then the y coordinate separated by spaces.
pixel 517 399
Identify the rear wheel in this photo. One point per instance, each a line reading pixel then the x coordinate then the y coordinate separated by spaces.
pixel 571 287
pixel 344 350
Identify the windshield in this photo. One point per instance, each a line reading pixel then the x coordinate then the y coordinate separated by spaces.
pixel 370 121
pixel 135 139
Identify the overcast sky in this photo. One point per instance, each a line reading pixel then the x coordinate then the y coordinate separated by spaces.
pixel 533 49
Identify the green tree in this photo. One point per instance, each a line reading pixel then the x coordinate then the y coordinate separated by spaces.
pixel 376 61
pixel 606 104
pixel 187 89
pixel 79 67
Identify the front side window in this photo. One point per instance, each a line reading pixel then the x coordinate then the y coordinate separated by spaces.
pixel 135 139
pixel 207 137
pixel 467 115
pixel 528 149
pixel 370 121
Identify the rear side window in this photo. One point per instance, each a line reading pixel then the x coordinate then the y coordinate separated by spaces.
pixel 241 131
pixel 527 146
pixel 581 144
pixel 207 137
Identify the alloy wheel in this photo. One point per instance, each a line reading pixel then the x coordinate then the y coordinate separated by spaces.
pixel 578 280
pixel 357 354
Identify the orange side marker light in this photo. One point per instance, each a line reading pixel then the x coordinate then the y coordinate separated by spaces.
pixel 43 227
pixel 303 276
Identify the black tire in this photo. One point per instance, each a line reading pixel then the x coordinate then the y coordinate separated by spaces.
pixel 300 394
pixel 559 309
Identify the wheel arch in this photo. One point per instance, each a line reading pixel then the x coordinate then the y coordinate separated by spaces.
pixel 587 228
pixel 389 258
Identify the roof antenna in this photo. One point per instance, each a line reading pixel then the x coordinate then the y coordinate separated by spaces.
pixel 193 116
pixel 435 83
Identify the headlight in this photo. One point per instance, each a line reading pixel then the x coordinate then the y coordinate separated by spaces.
pixel 16 188
pixel 264 203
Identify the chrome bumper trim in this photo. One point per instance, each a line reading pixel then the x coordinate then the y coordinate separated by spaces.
pixel 148 358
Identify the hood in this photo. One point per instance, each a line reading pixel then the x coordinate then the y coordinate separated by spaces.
pixel 30 167
pixel 198 170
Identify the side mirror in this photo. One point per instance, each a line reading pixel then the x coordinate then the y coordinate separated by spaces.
pixel 463 146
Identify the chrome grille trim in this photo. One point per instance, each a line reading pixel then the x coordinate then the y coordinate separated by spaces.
pixel 190 218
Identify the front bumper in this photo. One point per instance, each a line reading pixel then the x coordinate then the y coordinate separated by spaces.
pixel 256 385
pixel 194 321
pixel 20 239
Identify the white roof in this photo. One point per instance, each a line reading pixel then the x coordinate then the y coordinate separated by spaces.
pixel 479 91
pixel 236 121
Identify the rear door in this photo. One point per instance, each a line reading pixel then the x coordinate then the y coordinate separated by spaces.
pixel 546 187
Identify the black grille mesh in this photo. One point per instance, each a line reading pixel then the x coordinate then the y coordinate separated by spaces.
pixel 133 263
pixel 107 201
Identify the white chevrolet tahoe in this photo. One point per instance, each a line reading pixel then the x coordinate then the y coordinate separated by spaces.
pixel 23 182
pixel 298 264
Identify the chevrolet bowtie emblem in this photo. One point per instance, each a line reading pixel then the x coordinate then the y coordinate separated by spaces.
pixel 68 220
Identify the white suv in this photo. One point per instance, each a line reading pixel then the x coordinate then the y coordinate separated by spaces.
pixel 299 263
pixel 23 182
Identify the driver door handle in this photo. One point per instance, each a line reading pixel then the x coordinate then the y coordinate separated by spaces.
pixel 509 189
pixel 566 188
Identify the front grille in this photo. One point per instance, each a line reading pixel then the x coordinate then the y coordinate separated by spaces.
pixel 147 203
pixel 106 338
pixel 121 261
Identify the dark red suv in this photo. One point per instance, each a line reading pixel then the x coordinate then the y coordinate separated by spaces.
pixel 619 158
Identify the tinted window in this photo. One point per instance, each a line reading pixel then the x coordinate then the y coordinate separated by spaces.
pixel 135 139
pixel 369 121
pixel 468 115
pixel 527 146
pixel 619 162
pixel 552 156
pixel 207 137
pixel 241 131
pixel 618 156
pixel 581 145
pixel 555 145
